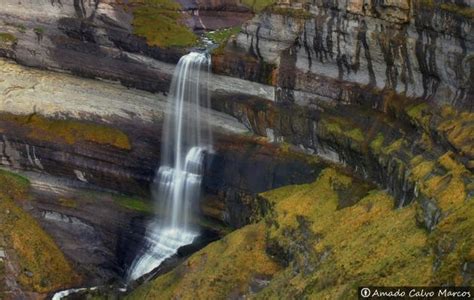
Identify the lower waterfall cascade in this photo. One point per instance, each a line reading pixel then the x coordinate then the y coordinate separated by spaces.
pixel 177 182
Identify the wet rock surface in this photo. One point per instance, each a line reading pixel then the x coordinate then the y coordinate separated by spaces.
pixel 306 243
pixel 91 227
pixel 96 39
pixel 99 233
pixel 402 149
pixel 360 84
pixel 242 168
pixel 327 51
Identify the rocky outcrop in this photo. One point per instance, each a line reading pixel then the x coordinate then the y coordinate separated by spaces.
pixel 403 151
pixel 96 38
pixel 343 50
pixel 81 37
pixel 377 86
pixel 112 140
pixel 308 241
pixel 242 168
pixel 92 228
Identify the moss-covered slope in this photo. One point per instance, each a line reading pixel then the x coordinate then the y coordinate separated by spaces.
pixel 65 131
pixel 315 243
pixel 33 259
pixel 159 21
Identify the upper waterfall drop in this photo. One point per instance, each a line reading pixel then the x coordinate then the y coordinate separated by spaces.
pixel 177 183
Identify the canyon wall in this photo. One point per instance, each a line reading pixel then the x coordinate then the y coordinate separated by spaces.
pixel 105 135
pixel 330 77
pixel 97 38
pixel 348 50
pixel 381 89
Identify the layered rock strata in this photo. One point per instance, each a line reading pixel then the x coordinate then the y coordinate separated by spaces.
pixel 345 50
pixel 108 136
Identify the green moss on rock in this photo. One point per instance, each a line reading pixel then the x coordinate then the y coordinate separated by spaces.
pixel 159 21
pixel 258 5
pixel 134 203
pixel 43 267
pixel 296 13
pixel 462 10
pixel 222 269
pixel 69 131
pixel 458 128
pixel 377 143
pixel 7 38
pixel 324 251
pixel 342 128
pixel 221 36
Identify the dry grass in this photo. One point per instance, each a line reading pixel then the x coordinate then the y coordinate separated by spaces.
pixel 222 269
pixel 159 21
pixel 68 131
pixel 43 267
pixel 331 251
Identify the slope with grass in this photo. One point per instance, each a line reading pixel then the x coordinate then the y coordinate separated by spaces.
pixel 33 259
pixel 311 244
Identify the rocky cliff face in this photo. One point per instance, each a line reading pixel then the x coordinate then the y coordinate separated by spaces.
pixel 314 243
pixel 342 50
pixel 97 38
pixel 382 89
pixel 112 140
pixel 373 85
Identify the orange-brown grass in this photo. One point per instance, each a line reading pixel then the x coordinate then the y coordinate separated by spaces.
pixel 219 271
pixel 368 242
pixel 330 251
pixel 459 130
pixel 447 189
pixel 36 251
pixel 159 21
pixel 69 131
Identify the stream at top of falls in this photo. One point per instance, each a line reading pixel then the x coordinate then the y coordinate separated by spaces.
pixel 176 188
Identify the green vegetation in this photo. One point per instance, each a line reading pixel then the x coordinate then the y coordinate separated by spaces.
pixel 66 202
pixel 377 143
pixel 426 3
pixel 454 241
pixel 447 188
pixel 38 30
pixel 339 127
pixel 297 13
pixel 222 35
pixel 134 203
pixel 394 147
pixel 13 185
pixel 69 131
pixel 221 269
pixel 458 9
pixel 20 27
pixel 43 266
pixel 368 242
pixel 458 128
pixel 419 114
pixel 465 11
pixel 258 5
pixel 6 37
pixel 309 247
pixel 159 22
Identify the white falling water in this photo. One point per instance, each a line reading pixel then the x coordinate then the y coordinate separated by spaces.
pixel 177 183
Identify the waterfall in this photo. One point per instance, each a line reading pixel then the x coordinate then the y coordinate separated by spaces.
pixel 177 183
